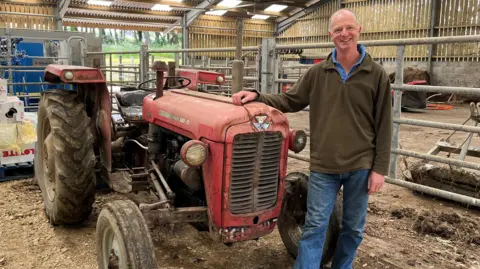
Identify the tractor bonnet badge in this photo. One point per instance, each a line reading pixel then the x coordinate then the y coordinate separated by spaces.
pixel 261 125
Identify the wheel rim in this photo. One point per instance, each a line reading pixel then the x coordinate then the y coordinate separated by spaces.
pixel 112 254
pixel 294 229
pixel 48 163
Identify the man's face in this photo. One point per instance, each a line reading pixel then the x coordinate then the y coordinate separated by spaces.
pixel 344 31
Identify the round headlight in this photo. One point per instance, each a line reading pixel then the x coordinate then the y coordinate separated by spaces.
pixel 194 153
pixel 298 140
pixel 68 75
pixel 220 79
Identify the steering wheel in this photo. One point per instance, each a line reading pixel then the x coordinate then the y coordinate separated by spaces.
pixel 166 86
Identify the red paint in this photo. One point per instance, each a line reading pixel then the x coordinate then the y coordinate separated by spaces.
pixel 81 74
pixel 200 77
pixel 197 117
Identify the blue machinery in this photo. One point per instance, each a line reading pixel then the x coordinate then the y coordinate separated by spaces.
pixel 26 62
pixel 25 53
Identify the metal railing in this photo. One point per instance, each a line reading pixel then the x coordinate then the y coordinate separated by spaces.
pixel 266 79
pixel 398 87
pixel 117 73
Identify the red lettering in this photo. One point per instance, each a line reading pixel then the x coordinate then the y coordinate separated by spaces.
pixel 12 153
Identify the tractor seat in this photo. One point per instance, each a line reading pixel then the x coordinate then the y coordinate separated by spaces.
pixel 131 98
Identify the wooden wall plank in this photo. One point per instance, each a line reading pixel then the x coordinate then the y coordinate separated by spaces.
pixel 398 19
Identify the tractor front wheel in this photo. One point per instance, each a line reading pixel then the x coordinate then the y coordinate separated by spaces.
pixel 123 238
pixel 293 213
pixel 64 157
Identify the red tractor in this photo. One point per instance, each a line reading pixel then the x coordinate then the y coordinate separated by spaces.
pixel 220 167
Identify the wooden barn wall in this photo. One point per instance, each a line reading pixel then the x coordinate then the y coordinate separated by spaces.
pixel 397 19
pixel 27 22
pixel 220 32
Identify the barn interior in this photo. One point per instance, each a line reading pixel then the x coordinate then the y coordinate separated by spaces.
pixel 425 217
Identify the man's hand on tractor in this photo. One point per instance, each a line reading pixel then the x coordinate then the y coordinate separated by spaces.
pixel 243 97
pixel 375 182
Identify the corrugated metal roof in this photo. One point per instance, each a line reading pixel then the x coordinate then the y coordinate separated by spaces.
pixel 130 5
pixel 114 24
pixel 78 12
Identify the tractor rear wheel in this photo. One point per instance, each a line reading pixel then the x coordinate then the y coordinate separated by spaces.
pixel 123 238
pixel 64 158
pixel 293 213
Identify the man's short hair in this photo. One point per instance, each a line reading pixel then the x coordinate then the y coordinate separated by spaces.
pixel 340 10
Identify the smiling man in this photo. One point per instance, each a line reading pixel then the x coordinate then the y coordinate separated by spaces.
pixel 350 138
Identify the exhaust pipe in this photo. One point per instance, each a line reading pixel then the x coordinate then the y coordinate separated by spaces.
pixel 159 67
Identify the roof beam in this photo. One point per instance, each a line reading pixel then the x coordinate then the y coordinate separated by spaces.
pixel 194 14
pixel 282 25
pixel 243 10
pixel 191 16
pixel 62 6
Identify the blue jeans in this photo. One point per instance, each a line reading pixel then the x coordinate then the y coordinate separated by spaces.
pixel 322 193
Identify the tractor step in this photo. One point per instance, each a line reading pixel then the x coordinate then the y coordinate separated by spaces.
pixel 16 171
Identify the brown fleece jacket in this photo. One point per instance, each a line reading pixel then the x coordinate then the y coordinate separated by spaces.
pixel 350 123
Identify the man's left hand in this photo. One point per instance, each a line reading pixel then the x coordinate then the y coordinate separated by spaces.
pixel 375 182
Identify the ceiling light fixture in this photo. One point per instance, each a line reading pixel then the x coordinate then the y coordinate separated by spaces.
pixel 160 7
pixel 100 3
pixel 216 12
pixel 260 17
pixel 229 3
pixel 276 8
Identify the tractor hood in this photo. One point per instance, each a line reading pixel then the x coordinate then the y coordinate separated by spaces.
pixel 202 115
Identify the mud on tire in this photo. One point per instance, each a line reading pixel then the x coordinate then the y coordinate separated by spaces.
pixel 123 238
pixel 64 158
pixel 292 217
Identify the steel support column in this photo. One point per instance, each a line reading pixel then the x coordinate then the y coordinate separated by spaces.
pixel 62 6
pixel 144 66
pixel 267 70
pixel 397 110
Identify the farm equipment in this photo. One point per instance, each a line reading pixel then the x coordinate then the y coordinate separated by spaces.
pixel 220 167
pixel 452 178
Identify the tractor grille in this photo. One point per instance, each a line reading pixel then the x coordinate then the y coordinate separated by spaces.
pixel 255 171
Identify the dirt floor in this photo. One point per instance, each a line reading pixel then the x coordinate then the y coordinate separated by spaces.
pixel 404 229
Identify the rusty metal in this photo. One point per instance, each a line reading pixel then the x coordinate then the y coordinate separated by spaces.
pixel 159 67
pixel 235 234
pixel 254 172
pixel 177 215
pixel 158 188
pixel 161 178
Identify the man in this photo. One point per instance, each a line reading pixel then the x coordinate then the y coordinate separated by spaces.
pixel 350 126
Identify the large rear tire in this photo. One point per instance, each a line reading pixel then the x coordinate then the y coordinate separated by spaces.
pixel 292 218
pixel 64 158
pixel 123 238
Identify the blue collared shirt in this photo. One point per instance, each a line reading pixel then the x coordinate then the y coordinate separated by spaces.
pixel 343 74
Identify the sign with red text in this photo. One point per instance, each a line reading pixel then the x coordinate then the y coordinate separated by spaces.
pixel 26 154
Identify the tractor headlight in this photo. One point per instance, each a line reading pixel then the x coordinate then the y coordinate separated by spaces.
pixel 298 140
pixel 68 75
pixel 220 79
pixel 194 153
